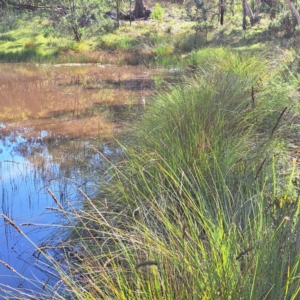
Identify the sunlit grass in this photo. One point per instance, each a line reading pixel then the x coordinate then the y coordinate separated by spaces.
pixel 29 41
pixel 203 201
pixel 150 42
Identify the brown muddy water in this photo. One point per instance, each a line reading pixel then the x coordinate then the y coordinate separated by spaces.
pixel 56 123
pixel 72 99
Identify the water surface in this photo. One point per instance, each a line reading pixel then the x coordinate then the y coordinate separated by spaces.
pixel 56 123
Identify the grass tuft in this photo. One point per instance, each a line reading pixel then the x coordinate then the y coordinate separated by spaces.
pixel 203 203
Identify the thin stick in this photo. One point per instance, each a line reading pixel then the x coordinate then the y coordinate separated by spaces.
pixel 146 263
pixel 12 223
pixel 55 199
pixel 278 120
pixel 260 168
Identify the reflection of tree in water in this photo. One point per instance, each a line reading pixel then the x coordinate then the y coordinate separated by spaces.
pixel 31 166
pixel 63 161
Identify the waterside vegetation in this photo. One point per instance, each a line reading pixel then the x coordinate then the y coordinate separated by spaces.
pixel 203 202
pixel 168 39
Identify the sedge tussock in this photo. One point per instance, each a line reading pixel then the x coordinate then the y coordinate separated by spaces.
pixel 181 217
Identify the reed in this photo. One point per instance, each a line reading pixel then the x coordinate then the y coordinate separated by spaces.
pixel 203 202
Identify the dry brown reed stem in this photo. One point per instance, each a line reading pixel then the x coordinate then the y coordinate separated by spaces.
pixel 260 168
pixel 100 214
pixel 8 266
pixel 12 223
pixel 252 96
pixel 243 253
pixel 146 263
pixel 278 120
pixel 55 208
pixel 60 282
pixel 101 154
pixel 55 199
pixel 28 224
pixel 70 205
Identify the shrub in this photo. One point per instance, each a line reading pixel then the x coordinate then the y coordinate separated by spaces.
pixel 157 13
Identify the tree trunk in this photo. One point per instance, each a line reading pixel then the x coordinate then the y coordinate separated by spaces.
pixel 3 4
pixel 139 9
pixel 118 14
pixel 293 10
pixel 130 14
pixel 244 15
pixel 222 6
pixel 257 10
pixel 249 12
pixel 272 4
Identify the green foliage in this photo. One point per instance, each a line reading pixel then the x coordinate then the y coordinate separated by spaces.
pixel 49 32
pixel 199 4
pixel 118 41
pixel 285 23
pixel 200 14
pixel 157 13
pixel 205 200
pixel 158 81
pixel 201 181
pixel 80 18
pixel 28 54
pixel 224 59
pixel 202 203
pixel 163 49
pixel 8 20
pixel 7 37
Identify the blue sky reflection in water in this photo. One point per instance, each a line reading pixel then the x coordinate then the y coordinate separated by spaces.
pixel 27 168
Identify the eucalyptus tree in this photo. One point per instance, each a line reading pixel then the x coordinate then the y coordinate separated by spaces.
pixel 198 10
pixel 293 10
pixel 247 11
pixel 28 5
pixel 77 17
pixel 139 9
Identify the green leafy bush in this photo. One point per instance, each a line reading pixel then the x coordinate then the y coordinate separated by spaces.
pixel 157 13
pixel 285 23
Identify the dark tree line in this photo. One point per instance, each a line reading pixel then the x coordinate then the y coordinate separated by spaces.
pixel 76 16
pixel 205 11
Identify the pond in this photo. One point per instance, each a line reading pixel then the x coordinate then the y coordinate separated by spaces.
pixel 56 123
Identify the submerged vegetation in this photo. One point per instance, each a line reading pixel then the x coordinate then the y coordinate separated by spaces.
pixel 203 200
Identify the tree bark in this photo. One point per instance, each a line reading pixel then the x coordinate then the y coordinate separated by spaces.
pixel 222 7
pixel 293 10
pixel 272 4
pixel 139 9
pixel 249 12
pixel 31 7
pixel 257 10
pixel 244 15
